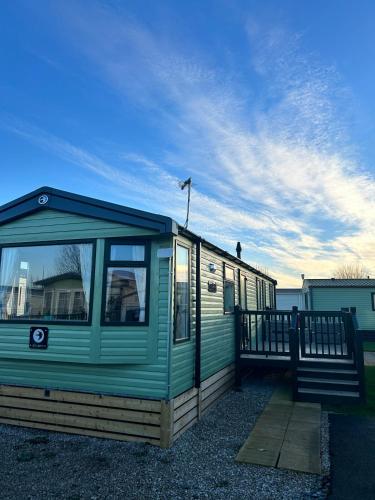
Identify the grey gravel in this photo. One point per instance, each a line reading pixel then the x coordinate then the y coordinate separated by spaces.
pixel 38 464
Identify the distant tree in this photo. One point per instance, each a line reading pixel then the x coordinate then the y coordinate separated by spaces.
pixel 351 271
pixel 69 260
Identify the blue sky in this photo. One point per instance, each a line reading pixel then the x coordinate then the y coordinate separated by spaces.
pixel 268 105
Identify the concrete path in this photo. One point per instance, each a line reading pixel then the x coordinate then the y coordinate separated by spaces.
pixel 369 358
pixel 352 447
pixel 286 435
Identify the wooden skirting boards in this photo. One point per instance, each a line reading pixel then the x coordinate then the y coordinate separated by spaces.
pixel 189 406
pixel 115 417
pixel 81 413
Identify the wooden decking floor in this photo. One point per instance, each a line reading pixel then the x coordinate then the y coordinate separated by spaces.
pixel 286 435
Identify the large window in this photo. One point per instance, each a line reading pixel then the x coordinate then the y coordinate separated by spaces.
pixel 126 284
pixel 46 282
pixel 182 294
pixel 228 289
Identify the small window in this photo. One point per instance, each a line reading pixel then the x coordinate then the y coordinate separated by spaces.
pixel 128 253
pixel 264 295
pixel 243 292
pixel 271 292
pixel 373 301
pixel 260 294
pixel 126 285
pixel 182 294
pixel 228 289
pixel 228 273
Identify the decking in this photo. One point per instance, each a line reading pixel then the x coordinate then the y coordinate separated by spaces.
pixel 323 349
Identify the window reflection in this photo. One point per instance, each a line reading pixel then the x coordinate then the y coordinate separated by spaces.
pixel 46 282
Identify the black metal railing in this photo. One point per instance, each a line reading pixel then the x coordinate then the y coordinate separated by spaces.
pixel 265 332
pixel 321 334
pixel 325 334
pixel 294 336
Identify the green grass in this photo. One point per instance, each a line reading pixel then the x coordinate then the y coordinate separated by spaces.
pixel 367 410
pixel 369 346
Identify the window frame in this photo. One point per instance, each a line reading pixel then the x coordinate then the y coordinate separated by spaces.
pixel 188 248
pixel 107 262
pixel 225 265
pixel 372 300
pixel 65 322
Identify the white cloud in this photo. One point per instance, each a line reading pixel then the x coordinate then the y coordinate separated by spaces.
pixel 277 176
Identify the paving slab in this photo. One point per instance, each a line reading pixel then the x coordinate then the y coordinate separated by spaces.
pixel 297 459
pixel 306 416
pixel 259 456
pixel 285 435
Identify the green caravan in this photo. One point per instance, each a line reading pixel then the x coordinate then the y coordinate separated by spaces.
pixel 114 322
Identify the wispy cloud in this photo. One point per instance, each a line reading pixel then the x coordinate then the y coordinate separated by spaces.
pixel 276 171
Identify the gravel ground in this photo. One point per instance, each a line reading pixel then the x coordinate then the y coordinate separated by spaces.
pixel 37 464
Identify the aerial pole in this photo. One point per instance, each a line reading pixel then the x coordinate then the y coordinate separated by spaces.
pixel 183 185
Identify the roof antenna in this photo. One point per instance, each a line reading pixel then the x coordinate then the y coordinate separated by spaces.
pixel 183 185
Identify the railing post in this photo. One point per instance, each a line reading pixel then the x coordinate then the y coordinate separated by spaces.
pixel 238 341
pixel 294 350
pixel 358 353
pixel 349 331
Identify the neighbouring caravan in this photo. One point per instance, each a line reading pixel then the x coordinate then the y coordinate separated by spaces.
pixel 287 298
pixel 334 294
pixel 114 322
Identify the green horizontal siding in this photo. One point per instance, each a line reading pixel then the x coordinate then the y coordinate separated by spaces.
pixel 53 225
pixel 217 350
pixel 333 299
pixel 138 381
pixel 217 327
pixel 115 360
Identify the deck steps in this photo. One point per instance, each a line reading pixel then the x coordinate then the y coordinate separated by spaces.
pixel 328 396
pixel 328 374
pixel 328 382
pixel 326 363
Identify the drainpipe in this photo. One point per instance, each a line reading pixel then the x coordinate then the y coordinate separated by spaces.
pixel 198 315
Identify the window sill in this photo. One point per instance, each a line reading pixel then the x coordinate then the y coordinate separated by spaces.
pixel 128 323
pixel 43 322
pixel 181 341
